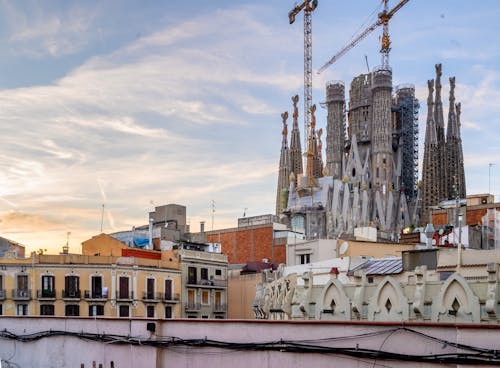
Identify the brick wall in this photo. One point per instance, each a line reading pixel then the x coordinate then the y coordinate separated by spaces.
pixel 248 244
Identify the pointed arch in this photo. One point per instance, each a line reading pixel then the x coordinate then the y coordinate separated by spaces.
pixel 456 302
pixel 333 303
pixel 388 302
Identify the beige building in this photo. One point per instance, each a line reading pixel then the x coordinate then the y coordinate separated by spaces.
pixel 83 285
pixel 204 282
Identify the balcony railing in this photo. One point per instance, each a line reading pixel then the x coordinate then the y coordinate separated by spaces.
pixel 72 294
pixel 98 294
pixel 170 298
pixel 206 282
pixel 151 296
pixel 124 295
pixel 192 306
pixel 2 294
pixel 21 294
pixel 220 308
pixel 46 294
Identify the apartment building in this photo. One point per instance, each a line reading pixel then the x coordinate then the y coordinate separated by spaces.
pixel 204 275
pixel 91 286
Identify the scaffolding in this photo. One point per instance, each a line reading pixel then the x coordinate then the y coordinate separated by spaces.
pixel 407 108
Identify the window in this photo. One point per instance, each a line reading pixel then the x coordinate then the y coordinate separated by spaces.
pixel 204 316
pixel 22 286
pixel 205 297
pixel 305 258
pixel 48 288
pixel 96 310
pixel 72 310
pixel 218 272
pixel 150 286
pixel 218 299
pixel 1 309
pixel 124 288
pixel 96 284
pixel 191 297
pixel 192 275
pixel 72 286
pixel 204 273
pixel 22 309
pixel 168 289
pixel 124 311
pixel 47 310
pixel 150 311
pixel 168 312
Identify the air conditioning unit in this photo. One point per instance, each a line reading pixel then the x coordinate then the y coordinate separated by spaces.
pixel 484 200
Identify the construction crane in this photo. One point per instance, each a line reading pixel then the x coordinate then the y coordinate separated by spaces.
pixel 383 19
pixel 308 6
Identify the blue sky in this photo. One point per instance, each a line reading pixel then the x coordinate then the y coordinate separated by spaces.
pixel 143 103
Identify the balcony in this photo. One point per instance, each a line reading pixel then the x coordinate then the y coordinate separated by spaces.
pixel 205 283
pixel 46 294
pixel 192 307
pixel 152 297
pixel 124 295
pixel 220 308
pixel 2 294
pixel 170 298
pixel 20 294
pixel 96 295
pixel 72 294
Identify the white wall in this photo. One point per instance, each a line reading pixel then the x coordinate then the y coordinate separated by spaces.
pixel 72 352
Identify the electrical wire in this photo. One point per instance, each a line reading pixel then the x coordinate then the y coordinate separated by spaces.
pixel 468 355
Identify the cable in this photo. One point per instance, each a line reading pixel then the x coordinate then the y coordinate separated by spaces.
pixel 469 354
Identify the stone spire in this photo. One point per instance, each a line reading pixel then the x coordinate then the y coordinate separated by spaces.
pixel 295 147
pixel 439 121
pixel 454 153
pixel 430 166
pixel 284 169
pixel 335 128
pixel 317 169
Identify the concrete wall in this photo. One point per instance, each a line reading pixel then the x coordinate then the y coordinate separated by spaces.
pixel 241 294
pixel 65 351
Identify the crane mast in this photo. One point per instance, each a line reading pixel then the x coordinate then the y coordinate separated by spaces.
pixel 383 19
pixel 308 6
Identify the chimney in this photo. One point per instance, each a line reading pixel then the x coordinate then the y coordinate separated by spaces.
pixel 202 226
pixel 150 246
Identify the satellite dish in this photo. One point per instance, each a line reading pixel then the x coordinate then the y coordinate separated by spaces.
pixel 343 248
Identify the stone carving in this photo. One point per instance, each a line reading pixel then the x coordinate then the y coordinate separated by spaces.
pixel 295 100
pixel 284 116
pixel 389 302
pixel 419 298
pixel 491 294
pixel 456 302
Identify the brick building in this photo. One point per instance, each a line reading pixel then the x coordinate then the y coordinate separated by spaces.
pixel 255 239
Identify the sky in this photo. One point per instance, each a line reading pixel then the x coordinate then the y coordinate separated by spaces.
pixel 136 104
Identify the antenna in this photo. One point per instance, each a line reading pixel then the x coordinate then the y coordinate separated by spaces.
pixel 245 211
pixel 213 212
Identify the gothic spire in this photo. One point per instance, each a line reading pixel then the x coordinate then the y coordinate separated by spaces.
pixel 284 169
pixel 295 147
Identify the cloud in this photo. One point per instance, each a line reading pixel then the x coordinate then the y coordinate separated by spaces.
pixel 15 222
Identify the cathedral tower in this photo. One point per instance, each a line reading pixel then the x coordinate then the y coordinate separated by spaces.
pixel 439 121
pixel 335 128
pixel 382 154
pixel 431 163
pixel 454 153
pixel 284 170
pixel 295 147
